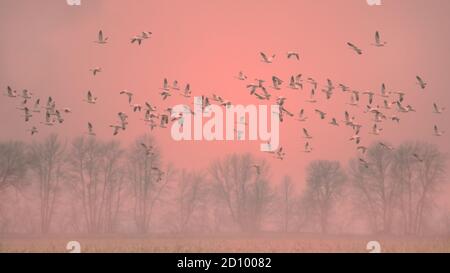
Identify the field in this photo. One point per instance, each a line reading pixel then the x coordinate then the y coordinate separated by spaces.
pixel 223 243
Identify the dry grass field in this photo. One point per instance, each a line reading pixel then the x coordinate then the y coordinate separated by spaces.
pixel 296 243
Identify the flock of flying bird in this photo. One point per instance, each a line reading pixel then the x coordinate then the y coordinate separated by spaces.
pixel 153 118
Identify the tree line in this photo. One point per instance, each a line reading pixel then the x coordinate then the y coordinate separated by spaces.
pixel 93 186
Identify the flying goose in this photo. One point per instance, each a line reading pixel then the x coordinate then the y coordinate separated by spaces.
pixel 421 82
pixel 95 70
pixel 33 130
pixel 386 146
pixel 257 168
pixel 307 148
pixel 293 54
pixel 128 94
pixel 306 134
pixel 355 48
pixel 101 39
pixel 116 129
pixel 334 122
pixel 438 110
pixel 10 92
pixel 378 42
pixel 90 129
pixel 267 59
pixel 375 130
pixel 90 98
pixel 437 132
pixel 147 148
pixel 242 76
pixel 276 82
pixel 321 113
pixel 301 115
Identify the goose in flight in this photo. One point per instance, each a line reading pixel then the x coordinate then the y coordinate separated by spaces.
pixel 401 108
pixel 306 134
pixel 128 94
pixel 313 83
pixel 344 87
pixel 90 98
pixel 136 107
pixel 90 129
pixel 267 59
pixel 334 122
pixel 311 96
pixel 67 110
pixel 421 82
pixel 146 34
pixel 296 82
pixel 384 93
pixel 355 48
pixel 370 95
pixel 242 76
pixel 59 117
pixel 410 108
pixel 27 114
pixel 438 110
pixel 437 132
pixel 401 96
pixel 36 107
pixel 175 85
pixel 321 113
pixel 257 168
pixel 418 157
pixel 362 149
pixel 33 130
pixel 386 104
pixel 356 137
pixel 187 91
pixel 10 92
pixel 159 174
pixel 364 163
pixel 395 118
pixel 123 119
pixel 137 39
pixel 375 130
pixel 116 129
pixel 307 148
pixel 280 153
pixel 101 39
pixel 354 98
pixel 165 94
pixel 26 94
pixel 150 108
pixel 48 119
pixel 301 115
pixel 293 54
pixel 386 146
pixel 165 85
pixel 95 70
pixel 147 148
pixel 276 82
pixel 378 42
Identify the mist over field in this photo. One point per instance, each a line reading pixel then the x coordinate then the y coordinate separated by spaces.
pixel 88 153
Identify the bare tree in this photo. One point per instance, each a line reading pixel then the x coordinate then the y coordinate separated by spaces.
pixel 97 180
pixel 13 163
pixel 243 185
pixel 286 202
pixel 375 192
pixel 324 184
pixel 147 178
pixel 190 193
pixel 419 168
pixel 47 161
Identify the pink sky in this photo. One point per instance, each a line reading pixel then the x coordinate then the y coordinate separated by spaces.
pixel 47 48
